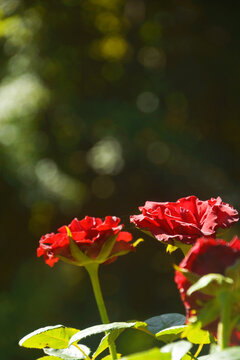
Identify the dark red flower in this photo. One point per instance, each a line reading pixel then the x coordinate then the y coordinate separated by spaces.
pixel 207 256
pixel 89 234
pixel 185 220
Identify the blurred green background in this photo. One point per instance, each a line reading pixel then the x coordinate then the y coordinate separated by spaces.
pixel 105 104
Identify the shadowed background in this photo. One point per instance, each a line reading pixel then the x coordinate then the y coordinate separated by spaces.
pixel 105 104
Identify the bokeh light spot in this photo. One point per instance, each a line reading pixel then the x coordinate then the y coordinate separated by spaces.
pixel 152 57
pixel 113 47
pixel 158 152
pixel 147 102
pixel 105 157
pixel 106 22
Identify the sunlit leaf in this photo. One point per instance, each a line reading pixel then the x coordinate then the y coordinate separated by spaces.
pixel 49 358
pixel 102 328
pixel 152 354
pixel 177 349
pixel 165 321
pixel 196 335
pixel 170 334
pixel 208 284
pixel 232 353
pixel 106 341
pixel 71 353
pixel 208 313
pixel 56 337
pixel 109 357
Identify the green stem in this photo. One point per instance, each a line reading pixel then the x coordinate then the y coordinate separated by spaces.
pixel 224 326
pixel 92 270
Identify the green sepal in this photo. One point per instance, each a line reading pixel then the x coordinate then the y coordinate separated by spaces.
pixel 170 248
pixel 147 233
pixel 210 284
pixel 68 261
pixel 76 253
pixel 184 247
pixel 106 249
pixel 190 276
pixel 137 242
pixel 233 272
pixel 119 253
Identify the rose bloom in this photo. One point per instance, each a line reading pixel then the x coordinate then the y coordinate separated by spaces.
pixel 205 257
pixel 89 234
pixel 185 220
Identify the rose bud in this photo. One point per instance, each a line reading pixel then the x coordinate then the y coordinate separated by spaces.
pixel 211 270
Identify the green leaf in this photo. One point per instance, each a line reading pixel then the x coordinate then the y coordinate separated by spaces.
pixel 106 249
pixel 152 354
pixel 106 341
pixel 109 357
pixel 207 314
pixel 196 335
pixel 170 334
pixel 210 283
pixel 113 335
pixel 177 349
pixel 165 321
pixel 56 337
pixel 49 358
pixel 102 328
pixel 232 353
pixel 71 353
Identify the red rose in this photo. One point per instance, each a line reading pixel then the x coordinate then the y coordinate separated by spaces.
pixel 89 234
pixel 205 257
pixel 185 220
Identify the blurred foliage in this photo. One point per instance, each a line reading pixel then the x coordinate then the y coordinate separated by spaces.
pixel 105 104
